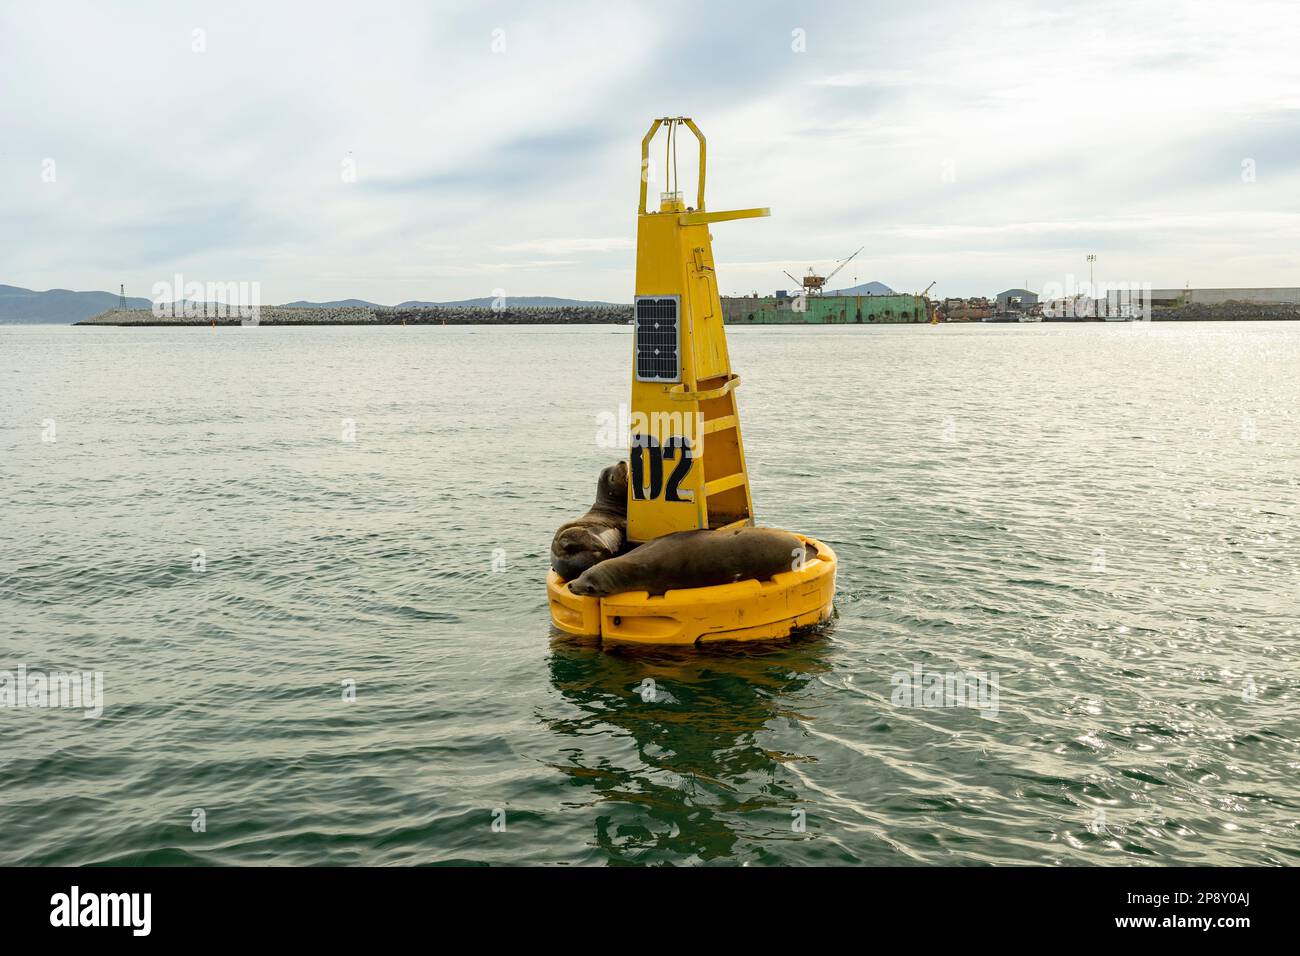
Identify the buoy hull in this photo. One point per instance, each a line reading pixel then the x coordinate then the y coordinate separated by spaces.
pixel 743 611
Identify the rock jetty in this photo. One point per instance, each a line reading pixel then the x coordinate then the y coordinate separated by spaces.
pixel 1226 312
pixel 450 315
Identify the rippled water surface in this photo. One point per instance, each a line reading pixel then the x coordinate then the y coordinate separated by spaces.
pixel 1102 516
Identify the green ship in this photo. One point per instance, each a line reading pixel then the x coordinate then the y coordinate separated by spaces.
pixel 826 309
pixel 813 304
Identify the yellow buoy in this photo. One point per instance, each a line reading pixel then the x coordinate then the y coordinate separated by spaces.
pixel 684 401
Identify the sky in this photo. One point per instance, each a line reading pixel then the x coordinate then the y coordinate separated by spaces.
pixel 391 151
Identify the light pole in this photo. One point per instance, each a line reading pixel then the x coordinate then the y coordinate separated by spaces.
pixel 1092 288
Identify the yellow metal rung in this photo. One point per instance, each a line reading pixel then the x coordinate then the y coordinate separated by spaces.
pixel 680 393
pixel 741 523
pixel 724 484
pixel 720 424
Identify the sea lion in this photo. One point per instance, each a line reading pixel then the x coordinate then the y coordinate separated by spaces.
pixel 597 535
pixel 696 559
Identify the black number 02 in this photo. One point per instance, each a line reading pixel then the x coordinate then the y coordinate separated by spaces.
pixel 641 444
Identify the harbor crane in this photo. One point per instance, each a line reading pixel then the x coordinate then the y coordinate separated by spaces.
pixel 813 284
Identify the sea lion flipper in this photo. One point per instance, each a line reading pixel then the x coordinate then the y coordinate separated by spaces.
pixel 611 538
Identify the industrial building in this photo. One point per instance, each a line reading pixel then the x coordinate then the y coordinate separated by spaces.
pixel 1175 297
pixel 1017 299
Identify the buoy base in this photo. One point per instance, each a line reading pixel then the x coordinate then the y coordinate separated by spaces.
pixel 744 611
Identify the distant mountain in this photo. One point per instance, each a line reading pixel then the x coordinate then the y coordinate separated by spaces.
pixel 523 301
pixel 66 306
pixel 483 302
pixel 866 288
pixel 337 304
pixel 57 305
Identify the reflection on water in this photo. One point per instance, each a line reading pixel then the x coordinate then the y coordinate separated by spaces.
pixel 692 720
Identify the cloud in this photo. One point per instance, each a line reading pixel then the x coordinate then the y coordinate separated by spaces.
pixel 566 246
pixel 420 151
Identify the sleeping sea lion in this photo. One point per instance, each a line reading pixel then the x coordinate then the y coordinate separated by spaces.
pixel 597 535
pixel 696 559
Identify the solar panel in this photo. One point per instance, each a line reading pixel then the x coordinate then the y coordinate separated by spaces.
pixel 658 347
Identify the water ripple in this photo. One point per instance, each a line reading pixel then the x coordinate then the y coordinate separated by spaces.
pixel 332 646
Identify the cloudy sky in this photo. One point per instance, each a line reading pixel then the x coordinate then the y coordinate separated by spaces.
pixel 495 145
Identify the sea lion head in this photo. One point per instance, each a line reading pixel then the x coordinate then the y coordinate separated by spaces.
pixel 577 549
pixel 611 490
pixel 591 583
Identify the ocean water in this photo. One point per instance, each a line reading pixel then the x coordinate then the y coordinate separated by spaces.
pixel 309 565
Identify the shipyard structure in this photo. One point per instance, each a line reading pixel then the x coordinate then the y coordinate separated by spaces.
pixel 825 309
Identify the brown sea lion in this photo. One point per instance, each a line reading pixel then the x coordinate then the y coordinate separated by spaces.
pixel 597 535
pixel 696 559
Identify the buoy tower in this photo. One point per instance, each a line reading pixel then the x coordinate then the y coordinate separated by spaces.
pixel 687 458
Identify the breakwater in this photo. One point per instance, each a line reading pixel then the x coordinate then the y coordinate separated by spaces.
pixel 607 315
pixel 524 315
pixel 1226 312
pixel 455 315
